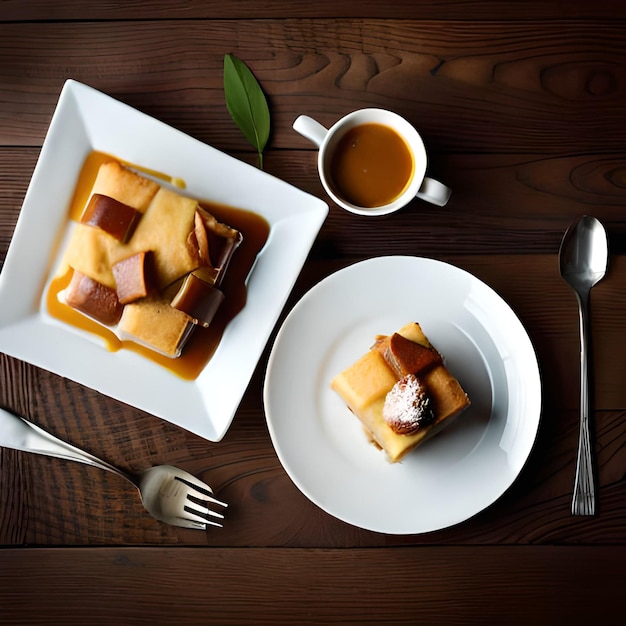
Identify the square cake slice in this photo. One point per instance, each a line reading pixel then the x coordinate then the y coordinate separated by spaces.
pixel 401 391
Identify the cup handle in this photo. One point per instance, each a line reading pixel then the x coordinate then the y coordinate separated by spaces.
pixel 434 192
pixel 310 129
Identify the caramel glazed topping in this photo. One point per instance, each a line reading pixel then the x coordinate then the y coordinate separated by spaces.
pixel 407 405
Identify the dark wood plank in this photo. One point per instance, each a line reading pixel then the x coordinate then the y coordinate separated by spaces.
pixel 525 87
pixel 521 105
pixel 456 585
pixel 71 10
pixel 53 502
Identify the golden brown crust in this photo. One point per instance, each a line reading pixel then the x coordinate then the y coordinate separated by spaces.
pixel 405 356
pixel 93 299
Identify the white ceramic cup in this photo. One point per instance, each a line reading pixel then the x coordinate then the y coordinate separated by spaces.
pixel 419 186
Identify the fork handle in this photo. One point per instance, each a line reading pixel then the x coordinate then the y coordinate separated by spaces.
pixel 20 434
pixel 584 498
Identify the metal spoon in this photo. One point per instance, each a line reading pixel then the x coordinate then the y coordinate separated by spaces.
pixel 583 260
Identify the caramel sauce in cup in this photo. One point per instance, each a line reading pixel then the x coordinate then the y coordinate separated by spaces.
pixel 371 165
pixel 372 162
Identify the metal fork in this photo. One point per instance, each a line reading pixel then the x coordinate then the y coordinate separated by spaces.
pixel 168 493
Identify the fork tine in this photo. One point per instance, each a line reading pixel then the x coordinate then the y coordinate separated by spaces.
pixel 205 494
pixel 197 507
pixel 188 523
pixel 193 516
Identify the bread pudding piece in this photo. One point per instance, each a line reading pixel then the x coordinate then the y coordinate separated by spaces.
pixel 150 260
pixel 152 322
pixel 401 391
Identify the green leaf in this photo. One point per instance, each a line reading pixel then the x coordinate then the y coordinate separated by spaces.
pixel 246 103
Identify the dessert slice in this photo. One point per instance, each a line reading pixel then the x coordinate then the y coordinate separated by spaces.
pixel 401 391
pixel 147 260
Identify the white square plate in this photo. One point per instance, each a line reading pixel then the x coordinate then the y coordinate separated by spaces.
pixel 86 120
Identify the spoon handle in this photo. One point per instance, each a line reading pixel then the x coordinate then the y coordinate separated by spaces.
pixel 584 499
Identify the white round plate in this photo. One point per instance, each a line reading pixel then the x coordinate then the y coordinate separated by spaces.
pixel 451 477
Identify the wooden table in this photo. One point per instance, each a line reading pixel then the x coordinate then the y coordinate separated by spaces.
pixel 523 109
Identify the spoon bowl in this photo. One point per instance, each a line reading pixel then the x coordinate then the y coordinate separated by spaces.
pixel 584 253
pixel 583 261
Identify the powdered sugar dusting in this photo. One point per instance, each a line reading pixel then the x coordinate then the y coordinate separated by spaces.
pixel 407 406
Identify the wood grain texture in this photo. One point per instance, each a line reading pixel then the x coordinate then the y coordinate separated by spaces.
pixel 522 107
pixel 455 585
pixel 492 87
pixel 70 10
